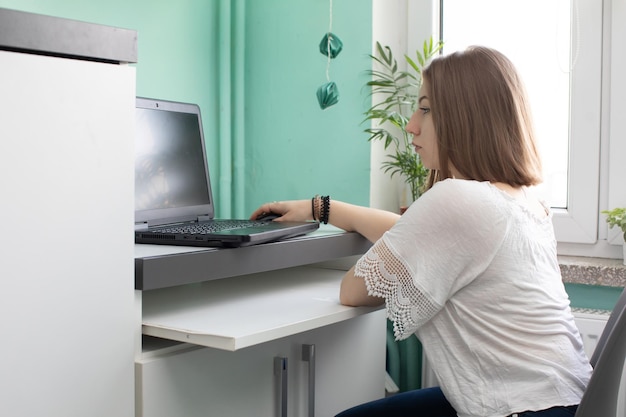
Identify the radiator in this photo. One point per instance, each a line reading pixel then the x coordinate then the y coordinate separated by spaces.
pixel 590 324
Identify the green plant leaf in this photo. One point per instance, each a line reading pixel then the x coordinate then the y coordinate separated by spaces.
pixel 417 68
pixel 396 94
pixel 616 218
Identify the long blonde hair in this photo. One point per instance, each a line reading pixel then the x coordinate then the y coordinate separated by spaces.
pixel 482 118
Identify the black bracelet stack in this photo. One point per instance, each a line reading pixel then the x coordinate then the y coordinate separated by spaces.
pixel 325 209
pixel 320 208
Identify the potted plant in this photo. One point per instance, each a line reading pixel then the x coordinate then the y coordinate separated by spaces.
pixel 617 218
pixel 388 118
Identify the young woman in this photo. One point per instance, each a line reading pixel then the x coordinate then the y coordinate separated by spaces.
pixel 471 267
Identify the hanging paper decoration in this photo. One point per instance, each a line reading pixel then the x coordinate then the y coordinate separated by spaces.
pixel 330 46
pixel 327 95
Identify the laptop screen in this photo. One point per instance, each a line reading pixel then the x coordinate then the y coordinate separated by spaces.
pixel 171 178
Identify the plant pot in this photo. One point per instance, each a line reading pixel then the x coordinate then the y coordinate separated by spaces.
pixel 624 253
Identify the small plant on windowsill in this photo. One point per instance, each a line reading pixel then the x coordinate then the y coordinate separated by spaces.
pixel 398 91
pixel 617 218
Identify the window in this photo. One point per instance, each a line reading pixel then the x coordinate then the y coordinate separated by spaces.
pixel 557 47
pixel 543 58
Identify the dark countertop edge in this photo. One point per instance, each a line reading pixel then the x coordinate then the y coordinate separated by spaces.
pixel 54 36
pixel 593 271
pixel 169 270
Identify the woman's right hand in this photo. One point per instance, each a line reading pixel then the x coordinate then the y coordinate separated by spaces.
pixel 294 210
pixel 369 222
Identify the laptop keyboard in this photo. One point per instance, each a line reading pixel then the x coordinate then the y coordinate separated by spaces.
pixel 204 228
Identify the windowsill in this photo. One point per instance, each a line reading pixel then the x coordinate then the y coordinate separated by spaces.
pixel 593 271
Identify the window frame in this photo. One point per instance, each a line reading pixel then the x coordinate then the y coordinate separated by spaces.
pixel 615 151
pixel 578 222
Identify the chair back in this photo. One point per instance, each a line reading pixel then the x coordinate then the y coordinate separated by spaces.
pixel 619 306
pixel 601 396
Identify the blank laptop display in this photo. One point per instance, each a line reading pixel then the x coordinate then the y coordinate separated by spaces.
pixel 173 200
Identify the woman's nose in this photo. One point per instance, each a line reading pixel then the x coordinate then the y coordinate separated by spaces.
pixel 413 126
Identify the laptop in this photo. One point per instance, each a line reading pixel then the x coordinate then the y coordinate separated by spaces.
pixel 173 200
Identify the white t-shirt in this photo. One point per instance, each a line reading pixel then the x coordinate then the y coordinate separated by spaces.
pixel 475 275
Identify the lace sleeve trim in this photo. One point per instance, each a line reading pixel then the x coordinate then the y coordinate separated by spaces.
pixel 387 277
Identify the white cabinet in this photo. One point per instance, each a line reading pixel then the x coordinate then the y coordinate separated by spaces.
pixel 66 175
pixel 240 331
pixel 349 369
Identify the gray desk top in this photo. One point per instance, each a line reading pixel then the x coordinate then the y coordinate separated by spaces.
pixel 159 266
pixel 47 35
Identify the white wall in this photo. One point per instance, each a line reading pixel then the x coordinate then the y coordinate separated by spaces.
pixel 392 27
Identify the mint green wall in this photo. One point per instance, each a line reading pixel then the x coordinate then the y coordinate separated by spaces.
pixel 293 148
pixel 253 67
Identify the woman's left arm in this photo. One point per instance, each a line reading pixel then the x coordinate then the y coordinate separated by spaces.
pixel 353 292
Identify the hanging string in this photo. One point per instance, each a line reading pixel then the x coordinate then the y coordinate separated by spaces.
pixel 330 31
pixel 330 45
